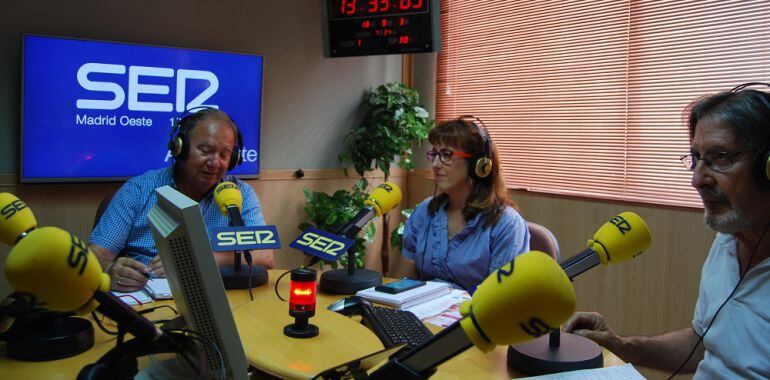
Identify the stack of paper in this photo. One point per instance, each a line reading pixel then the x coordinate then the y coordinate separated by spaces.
pixel 409 298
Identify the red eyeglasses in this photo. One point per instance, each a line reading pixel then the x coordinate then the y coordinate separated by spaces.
pixel 445 155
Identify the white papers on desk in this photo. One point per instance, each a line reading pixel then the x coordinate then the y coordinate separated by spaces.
pixel 431 290
pixel 618 372
pixel 449 314
pixel 444 308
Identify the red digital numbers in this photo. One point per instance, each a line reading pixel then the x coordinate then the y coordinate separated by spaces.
pixel 348 7
pixel 406 5
pixel 378 6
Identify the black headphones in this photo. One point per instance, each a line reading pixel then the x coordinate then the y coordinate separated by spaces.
pixel 179 146
pixel 761 165
pixel 480 165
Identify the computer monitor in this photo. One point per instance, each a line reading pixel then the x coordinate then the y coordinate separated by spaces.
pixel 184 248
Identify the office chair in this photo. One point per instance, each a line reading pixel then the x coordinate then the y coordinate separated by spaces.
pixel 541 239
pixel 101 209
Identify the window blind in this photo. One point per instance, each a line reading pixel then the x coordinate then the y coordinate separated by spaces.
pixel 586 98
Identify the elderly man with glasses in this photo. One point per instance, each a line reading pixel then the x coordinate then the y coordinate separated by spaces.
pixel 729 152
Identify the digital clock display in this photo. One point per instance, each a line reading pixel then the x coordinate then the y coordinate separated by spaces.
pixel 365 8
pixel 370 27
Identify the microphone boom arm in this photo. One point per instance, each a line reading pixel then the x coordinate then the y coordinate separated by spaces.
pixel 580 263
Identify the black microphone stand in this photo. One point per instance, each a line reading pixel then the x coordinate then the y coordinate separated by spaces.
pixel 237 277
pixel 39 335
pixel 351 280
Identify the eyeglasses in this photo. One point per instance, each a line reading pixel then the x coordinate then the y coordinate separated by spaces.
pixel 445 155
pixel 718 162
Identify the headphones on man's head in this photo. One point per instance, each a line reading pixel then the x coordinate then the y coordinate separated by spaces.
pixel 480 165
pixel 761 165
pixel 179 146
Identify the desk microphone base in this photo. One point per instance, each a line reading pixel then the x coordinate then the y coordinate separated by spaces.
pixel 338 281
pixel 542 356
pixel 239 279
pixel 48 335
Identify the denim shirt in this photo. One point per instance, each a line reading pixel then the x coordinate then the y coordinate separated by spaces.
pixel 125 224
pixel 467 258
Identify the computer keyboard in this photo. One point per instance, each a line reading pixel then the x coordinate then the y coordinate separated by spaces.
pixel 394 326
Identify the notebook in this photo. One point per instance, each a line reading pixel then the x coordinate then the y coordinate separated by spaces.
pixel 133 298
pixel 158 289
pixel 409 298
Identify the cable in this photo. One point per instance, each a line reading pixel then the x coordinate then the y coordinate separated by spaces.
pixel 740 280
pixel 101 326
pixel 251 271
pixel 276 284
pixel 204 339
pixel 313 261
pixel 150 310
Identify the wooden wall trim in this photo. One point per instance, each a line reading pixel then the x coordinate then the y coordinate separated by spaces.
pixel 12 180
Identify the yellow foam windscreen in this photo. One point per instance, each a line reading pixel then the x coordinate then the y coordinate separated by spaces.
pixel 623 237
pixel 227 194
pixel 522 300
pixel 15 218
pixel 58 268
pixel 384 198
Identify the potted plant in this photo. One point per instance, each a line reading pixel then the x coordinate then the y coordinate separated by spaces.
pixel 393 121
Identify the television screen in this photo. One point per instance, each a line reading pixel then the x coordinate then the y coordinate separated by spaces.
pixel 103 111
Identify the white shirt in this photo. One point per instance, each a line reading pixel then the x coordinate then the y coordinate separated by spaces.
pixel 738 343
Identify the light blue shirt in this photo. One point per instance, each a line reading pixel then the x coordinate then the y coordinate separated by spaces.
pixel 125 225
pixel 736 344
pixel 471 255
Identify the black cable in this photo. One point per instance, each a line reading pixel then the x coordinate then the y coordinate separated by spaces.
pixel 101 326
pixel 251 271
pixel 740 280
pixel 276 284
pixel 150 310
pixel 204 339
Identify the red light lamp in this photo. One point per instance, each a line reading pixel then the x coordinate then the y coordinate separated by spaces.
pixel 302 299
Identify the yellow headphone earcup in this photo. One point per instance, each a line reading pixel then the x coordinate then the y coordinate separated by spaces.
pixel 483 167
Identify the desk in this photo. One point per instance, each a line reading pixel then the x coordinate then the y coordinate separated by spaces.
pixel 470 364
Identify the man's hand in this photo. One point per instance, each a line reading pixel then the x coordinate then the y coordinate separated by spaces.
pixel 126 275
pixel 592 326
pixel 157 267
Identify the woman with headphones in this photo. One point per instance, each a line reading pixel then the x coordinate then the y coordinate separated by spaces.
pixel 470 228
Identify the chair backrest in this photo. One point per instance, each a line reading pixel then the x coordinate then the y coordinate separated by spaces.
pixel 101 209
pixel 541 239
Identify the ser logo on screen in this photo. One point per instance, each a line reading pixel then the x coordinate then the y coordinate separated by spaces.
pixel 88 72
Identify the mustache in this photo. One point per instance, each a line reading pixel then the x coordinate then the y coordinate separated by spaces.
pixel 712 194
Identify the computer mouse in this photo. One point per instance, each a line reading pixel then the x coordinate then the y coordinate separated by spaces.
pixel 348 305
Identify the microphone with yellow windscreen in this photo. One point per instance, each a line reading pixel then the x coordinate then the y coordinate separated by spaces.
pixel 60 271
pixel 621 238
pixel 522 300
pixel 384 198
pixel 16 219
pixel 228 195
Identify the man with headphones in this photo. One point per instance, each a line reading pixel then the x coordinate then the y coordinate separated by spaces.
pixel 205 145
pixel 730 160
pixel 470 228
